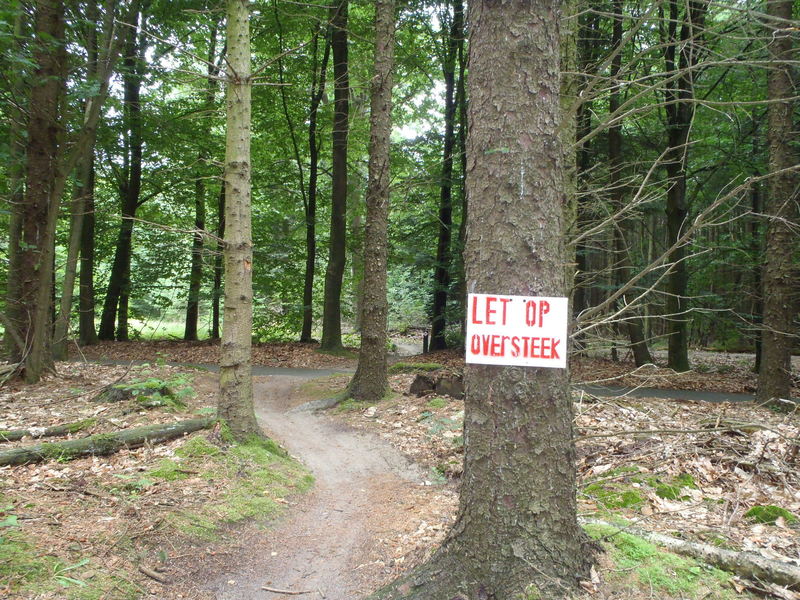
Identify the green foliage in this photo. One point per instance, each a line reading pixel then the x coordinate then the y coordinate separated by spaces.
pixel 672 490
pixel 769 514
pixel 156 392
pixel 437 402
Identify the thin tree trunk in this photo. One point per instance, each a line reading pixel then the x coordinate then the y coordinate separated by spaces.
pixel 332 303
pixel 196 269
pixel 441 275
pixel 216 292
pixel 87 334
pixel 780 274
pixel 115 307
pixel 235 378
pixel 80 193
pixel 632 323
pixel 370 381
pixel 516 533
pixel 40 210
pixel 679 108
pixel 317 91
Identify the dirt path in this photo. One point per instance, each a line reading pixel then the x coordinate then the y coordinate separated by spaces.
pixel 327 544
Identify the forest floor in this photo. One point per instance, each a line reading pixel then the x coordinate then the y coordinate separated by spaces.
pixel 386 481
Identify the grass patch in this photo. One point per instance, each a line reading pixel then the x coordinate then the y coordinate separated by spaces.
pixel 642 564
pixel 437 403
pixel 407 367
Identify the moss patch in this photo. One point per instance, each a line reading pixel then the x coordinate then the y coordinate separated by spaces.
pixel 642 564
pixel 614 496
pixel 769 514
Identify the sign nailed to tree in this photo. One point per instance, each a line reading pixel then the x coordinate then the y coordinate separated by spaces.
pixel 526 331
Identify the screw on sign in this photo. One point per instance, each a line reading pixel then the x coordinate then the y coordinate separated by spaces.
pixel 517 330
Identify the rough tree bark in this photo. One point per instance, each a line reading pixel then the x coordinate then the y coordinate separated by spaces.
pixel 216 292
pixel 780 273
pixel 235 374
pixel 370 380
pixel 317 91
pixel 332 303
pixel 441 274
pixel 40 206
pixel 516 531
pixel 679 107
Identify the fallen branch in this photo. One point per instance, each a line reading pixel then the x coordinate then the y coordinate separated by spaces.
pixel 745 564
pixel 154 574
pixel 287 592
pixel 15 435
pixel 102 444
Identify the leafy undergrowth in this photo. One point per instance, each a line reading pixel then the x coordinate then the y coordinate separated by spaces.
pixel 81 529
pixel 722 474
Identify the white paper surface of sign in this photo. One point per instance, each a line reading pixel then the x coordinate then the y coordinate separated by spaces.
pixel 527 331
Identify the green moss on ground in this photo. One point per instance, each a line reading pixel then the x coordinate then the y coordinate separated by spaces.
pixel 769 514
pixel 639 563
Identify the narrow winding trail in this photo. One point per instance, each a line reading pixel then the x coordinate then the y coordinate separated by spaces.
pixel 324 544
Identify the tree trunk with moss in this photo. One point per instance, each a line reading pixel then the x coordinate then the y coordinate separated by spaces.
pixel 370 381
pixel 235 374
pixel 516 533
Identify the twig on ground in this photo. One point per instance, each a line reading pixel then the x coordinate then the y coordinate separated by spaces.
pixel 154 574
pixel 287 592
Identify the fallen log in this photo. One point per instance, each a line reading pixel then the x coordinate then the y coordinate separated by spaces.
pixel 745 564
pixel 14 435
pixel 102 444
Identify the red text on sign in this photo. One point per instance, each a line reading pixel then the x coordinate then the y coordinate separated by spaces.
pixel 515 346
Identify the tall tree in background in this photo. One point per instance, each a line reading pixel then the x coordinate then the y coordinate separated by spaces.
pixel 196 270
pixel 516 531
pixel 235 373
pixel 780 273
pixel 332 302
pixel 317 91
pixel 115 306
pixel 370 381
pixel 681 56
pixel 441 276
pixel 630 323
pixel 33 301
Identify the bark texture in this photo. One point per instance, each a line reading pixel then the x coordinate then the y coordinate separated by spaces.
pixel 370 380
pixel 516 531
pixel 40 209
pixel 235 374
pixel 332 303
pixel 780 274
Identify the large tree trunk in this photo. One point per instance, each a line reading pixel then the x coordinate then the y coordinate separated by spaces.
pixel 115 307
pixel 235 376
pixel 679 107
pixel 317 91
pixel 516 532
pixel 87 334
pixel 332 303
pixel 370 381
pixel 40 209
pixel 441 274
pixel 630 319
pixel 780 274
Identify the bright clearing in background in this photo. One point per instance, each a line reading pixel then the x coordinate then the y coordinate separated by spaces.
pixel 526 331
